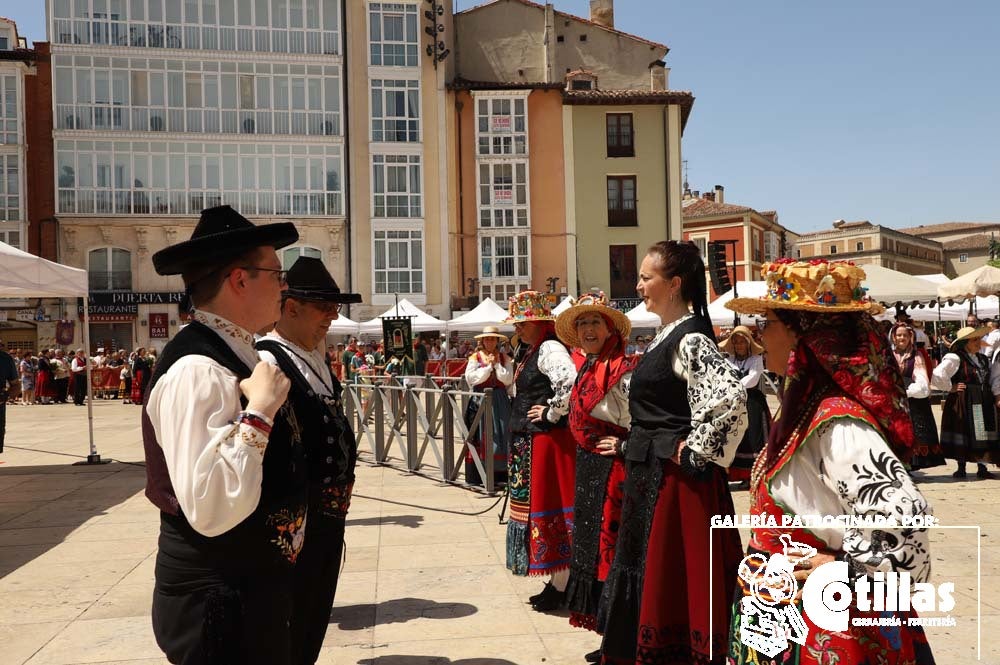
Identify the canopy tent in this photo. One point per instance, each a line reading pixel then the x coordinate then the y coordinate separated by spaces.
pixel 24 275
pixel 891 286
pixel 641 318
pixel 421 320
pixel 937 278
pixel 720 315
pixel 564 305
pixel 984 307
pixel 486 313
pixel 983 281
pixel 343 326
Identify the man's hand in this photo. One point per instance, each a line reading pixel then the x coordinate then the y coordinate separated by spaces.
pixel 266 389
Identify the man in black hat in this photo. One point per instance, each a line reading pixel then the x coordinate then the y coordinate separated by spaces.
pixel 298 346
pixel 232 499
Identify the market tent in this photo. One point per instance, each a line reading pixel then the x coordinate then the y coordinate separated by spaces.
pixel 24 275
pixel 720 315
pixel 641 318
pixel 985 308
pixel 983 281
pixel 890 286
pixel 421 320
pixel 486 313
pixel 564 305
pixel 937 278
pixel 343 326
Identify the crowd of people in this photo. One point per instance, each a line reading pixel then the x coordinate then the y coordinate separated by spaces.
pixel 616 453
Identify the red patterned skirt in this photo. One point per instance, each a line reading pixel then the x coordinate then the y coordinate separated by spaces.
pixel 137 384
pixel 44 386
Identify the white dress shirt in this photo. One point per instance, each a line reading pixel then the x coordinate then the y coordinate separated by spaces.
pixel 309 363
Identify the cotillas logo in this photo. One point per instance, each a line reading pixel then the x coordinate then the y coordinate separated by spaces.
pixel 769 618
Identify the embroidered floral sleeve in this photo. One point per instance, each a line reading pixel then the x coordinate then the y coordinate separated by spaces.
pixel 554 362
pixel 718 402
pixel 855 462
pixel 920 388
pixel 945 369
pixel 614 407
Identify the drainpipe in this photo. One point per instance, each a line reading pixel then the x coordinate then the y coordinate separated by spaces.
pixel 345 73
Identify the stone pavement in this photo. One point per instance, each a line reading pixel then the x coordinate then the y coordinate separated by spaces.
pixel 424 580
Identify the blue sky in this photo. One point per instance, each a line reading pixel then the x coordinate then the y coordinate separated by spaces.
pixel 887 110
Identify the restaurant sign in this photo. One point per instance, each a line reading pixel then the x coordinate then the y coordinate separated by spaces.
pixel 126 303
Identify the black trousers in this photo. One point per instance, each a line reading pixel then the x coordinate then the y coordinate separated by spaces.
pixel 315 585
pixel 207 615
pixel 80 388
pixel 62 390
pixel 3 418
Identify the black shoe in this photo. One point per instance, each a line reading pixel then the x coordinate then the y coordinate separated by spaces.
pixel 960 474
pixel 983 474
pixel 593 656
pixel 538 596
pixel 549 600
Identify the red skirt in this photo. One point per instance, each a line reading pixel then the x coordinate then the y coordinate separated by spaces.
pixel 44 387
pixel 137 383
pixel 667 600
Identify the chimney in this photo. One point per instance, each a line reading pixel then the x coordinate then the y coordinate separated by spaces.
pixel 720 194
pixel 708 196
pixel 657 76
pixel 602 12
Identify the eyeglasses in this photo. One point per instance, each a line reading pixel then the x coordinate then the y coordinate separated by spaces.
pixel 282 275
pixel 327 307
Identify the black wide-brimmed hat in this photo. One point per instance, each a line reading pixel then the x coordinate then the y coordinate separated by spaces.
pixel 308 279
pixel 221 234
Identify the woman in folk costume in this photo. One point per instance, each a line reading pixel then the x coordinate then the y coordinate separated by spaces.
pixel 666 596
pixel 915 365
pixel 834 450
pixel 542 455
pixel 491 370
pixel 599 420
pixel 745 355
pixel 140 376
pixel 968 415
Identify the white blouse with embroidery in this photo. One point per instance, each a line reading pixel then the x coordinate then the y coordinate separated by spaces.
pixel 614 407
pixel 846 468
pixel 715 393
pixel 214 460
pixel 309 363
pixel 751 369
pixel 921 387
pixel 477 371
pixel 555 362
pixel 949 365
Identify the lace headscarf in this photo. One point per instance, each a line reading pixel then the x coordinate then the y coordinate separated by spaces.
pixel 847 354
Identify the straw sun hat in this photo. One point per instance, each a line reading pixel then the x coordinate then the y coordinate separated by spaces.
pixel 596 302
pixel 813 286
pixel 726 345
pixel 967 333
pixel 492 331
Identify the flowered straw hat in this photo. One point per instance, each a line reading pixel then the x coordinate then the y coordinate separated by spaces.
pixel 591 302
pixel 529 306
pixel 814 286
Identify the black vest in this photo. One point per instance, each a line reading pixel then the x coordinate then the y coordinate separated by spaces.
pixel 261 539
pixel 532 387
pixel 330 448
pixel 658 401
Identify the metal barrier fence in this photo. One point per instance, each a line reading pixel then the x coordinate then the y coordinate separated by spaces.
pixel 410 415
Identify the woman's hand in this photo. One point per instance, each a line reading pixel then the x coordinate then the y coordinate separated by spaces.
pixel 680 448
pixel 960 388
pixel 805 568
pixel 536 413
pixel 609 446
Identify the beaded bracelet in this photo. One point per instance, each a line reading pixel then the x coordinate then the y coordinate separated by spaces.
pixel 254 421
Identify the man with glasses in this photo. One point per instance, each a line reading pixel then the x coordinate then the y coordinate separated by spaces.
pixel 314 414
pixel 232 499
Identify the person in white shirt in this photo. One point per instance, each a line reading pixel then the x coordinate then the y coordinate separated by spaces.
pixel 314 410
pixel 232 499
pixel 489 369
pixel 991 342
pixel 744 353
pixel 78 369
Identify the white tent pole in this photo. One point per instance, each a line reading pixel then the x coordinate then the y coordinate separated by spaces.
pixel 93 457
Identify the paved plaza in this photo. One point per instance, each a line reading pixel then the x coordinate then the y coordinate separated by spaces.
pixel 424 580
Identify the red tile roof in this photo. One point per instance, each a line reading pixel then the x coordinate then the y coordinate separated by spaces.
pixel 980 241
pixel 574 18
pixel 465 84
pixel 691 208
pixel 948 227
pixel 621 97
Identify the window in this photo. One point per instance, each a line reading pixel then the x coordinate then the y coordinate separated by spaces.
pixel 110 269
pixel 504 256
pixel 833 249
pixel 624 270
pixel 621 201
pixel 5 41
pixel 8 110
pixel 963 258
pixel 292 254
pixel 701 242
pixel 396 186
pixel 10 188
pixel 12 235
pixel 159 177
pixel 860 247
pixel 503 194
pixel 392 32
pixel 772 246
pixel 758 255
pixel 501 126
pixel 500 292
pixel 619 127
pixel 399 261
pixel 395 110
pixel 280 26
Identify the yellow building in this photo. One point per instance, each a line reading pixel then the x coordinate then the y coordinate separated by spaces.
pixel 865 242
pixel 966 244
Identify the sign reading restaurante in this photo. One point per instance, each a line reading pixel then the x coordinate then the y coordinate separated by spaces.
pixel 127 302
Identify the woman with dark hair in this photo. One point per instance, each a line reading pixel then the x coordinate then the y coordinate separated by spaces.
pixel 666 597
pixel 834 451
pixel 915 364
pixel 968 415
pixel 140 376
pixel 599 420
